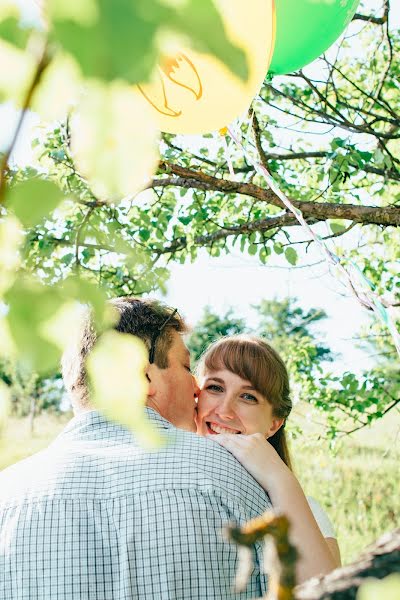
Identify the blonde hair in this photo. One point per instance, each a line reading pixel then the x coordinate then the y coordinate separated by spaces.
pixel 251 358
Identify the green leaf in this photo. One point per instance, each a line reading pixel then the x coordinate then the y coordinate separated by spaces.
pixel 109 40
pixel 67 258
pixel 42 319
pixel 337 226
pixel 11 32
pixel 278 248
pixel 30 305
pixel 118 39
pixel 291 256
pixel 114 140
pixel 34 199
pixel 10 241
pixel 116 369
pixel 185 220
pixel 144 234
pixel 59 90
pixel 16 72
pixel 5 403
pixel 380 589
pixel 202 23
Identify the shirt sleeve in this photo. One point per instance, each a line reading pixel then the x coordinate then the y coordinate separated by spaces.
pixel 322 518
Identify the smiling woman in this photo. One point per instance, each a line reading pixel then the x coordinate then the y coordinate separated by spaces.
pixel 251 392
pixel 243 406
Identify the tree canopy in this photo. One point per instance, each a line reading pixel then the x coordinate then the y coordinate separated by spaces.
pixel 328 134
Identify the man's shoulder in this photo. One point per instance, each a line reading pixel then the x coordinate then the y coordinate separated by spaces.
pixel 101 469
pixel 206 465
pixel 17 477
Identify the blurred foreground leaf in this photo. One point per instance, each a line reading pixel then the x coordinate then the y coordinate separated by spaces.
pixel 11 236
pixel 34 199
pixel 41 318
pixel 59 88
pixel 120 39
pixel 116 369
pixel 114 140
pixel 5 402
pixel 16 72
pixel 30 304
pixel 380 589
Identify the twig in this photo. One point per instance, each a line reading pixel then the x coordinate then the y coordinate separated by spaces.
pixel 41 67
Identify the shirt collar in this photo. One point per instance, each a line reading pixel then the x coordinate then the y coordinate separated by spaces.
pixel 85 424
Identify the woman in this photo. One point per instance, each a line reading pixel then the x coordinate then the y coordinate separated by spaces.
pixel 245 390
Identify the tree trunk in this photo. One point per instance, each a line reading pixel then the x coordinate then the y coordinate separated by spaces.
pixel 378 560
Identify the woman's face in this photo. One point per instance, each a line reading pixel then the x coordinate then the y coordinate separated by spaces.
pixel 230 404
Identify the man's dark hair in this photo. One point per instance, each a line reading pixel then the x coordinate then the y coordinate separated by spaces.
pixel 143 318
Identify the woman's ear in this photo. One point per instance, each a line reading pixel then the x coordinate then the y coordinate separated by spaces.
pixel 275 425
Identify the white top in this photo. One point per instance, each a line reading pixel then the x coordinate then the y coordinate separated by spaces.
pixel 322 518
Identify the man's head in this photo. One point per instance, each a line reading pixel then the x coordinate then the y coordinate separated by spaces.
pixel 172 388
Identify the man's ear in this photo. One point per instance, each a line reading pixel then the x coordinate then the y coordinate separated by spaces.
pixel 275 425
pixel 151 376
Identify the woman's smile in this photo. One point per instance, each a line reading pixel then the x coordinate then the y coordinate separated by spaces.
pixel 213 427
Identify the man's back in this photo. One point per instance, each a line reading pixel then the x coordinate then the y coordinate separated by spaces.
pixel 96 516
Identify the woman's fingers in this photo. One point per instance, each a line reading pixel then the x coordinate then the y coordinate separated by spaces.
pixel 255 454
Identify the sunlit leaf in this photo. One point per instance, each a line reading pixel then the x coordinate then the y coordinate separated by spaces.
pixel 7 345
pixel 10 26
pixel 33 199
pixel 5 402
pixel 383 589
pixel 16 72
pixel 116 369
pixel 31 304
pixel 337 226
pixel 203 25
pixel 64 326
pixel 84 12
pixel 83 291
pixel 59 88
pixel 11 237
pixel 291 256
pixel 41 318
pixel 114 140
pixel 120 39
pixel 109 40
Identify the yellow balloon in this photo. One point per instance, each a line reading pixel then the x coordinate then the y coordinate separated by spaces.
pixel 192 92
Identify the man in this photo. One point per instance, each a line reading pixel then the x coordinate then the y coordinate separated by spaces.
pixel 95 516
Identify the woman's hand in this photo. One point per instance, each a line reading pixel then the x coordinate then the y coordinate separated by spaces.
pixel 257 456
pixel 263 462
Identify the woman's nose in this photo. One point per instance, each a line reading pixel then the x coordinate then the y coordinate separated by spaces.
pixel 225 408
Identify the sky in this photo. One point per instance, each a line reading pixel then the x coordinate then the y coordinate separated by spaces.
pixel 239 281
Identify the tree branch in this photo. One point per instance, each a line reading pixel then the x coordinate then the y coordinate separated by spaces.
pixel 370 19
pixel 318 211
pixel 42 65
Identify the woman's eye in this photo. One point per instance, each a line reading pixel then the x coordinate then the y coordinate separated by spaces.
pixel 249 397
pixel 214 388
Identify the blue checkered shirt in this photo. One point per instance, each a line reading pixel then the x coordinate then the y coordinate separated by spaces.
pixel 97 517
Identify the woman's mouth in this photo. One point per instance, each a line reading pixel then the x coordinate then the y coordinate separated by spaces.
pixel 214 428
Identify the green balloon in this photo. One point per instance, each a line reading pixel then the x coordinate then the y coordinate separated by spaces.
pixel 305 29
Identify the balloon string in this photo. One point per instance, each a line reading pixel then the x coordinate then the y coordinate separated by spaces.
pixel 228 156
pixel 370 300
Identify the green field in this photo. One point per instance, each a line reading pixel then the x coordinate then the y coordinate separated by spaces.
pixel 358 484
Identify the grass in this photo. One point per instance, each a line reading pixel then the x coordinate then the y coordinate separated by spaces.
pixel 16 441
pixel 357 484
